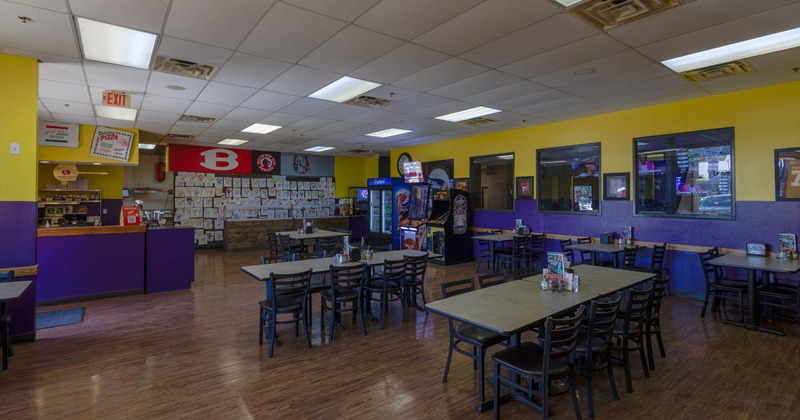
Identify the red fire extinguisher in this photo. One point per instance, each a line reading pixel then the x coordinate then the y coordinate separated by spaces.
pixel 161 171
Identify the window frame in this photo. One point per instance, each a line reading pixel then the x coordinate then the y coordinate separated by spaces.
pixel 473 184
pixel 596 196
pixel 778 193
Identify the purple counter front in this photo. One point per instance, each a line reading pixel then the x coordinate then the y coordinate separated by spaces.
pixel 170 259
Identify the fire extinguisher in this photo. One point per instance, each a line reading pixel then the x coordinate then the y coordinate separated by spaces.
pixel 161 171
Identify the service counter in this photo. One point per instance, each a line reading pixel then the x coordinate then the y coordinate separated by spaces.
pixel 251 234
pixel 77 263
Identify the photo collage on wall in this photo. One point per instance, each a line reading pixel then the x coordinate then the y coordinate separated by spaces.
pixel 204 201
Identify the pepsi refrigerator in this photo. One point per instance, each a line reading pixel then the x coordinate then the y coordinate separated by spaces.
pixel 448 227
pixel 389 200
pixel 413 227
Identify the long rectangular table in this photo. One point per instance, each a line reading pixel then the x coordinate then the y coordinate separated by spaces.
pixel 510 308
pixel 597 248
pixel 493 240
pixel 315 236
pixel 753 264
pixel 320 265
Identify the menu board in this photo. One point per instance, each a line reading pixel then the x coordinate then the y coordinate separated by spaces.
pixel 205 200
pixel 111 144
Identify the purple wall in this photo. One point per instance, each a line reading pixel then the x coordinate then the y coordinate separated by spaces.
pixel 756 221
pixel 170 259
pixel 18 236
pixel 112 208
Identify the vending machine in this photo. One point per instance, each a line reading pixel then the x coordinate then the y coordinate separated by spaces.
pixel 389 202
pixel 413 229
pixel 448 227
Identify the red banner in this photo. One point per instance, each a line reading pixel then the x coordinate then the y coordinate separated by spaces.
pixel 184 158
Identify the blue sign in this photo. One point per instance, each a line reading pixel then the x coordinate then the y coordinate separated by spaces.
pixel 376 182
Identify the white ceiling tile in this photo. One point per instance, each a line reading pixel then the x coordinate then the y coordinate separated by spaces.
pixel 311 123
pixel 755 79
pixel 157 117
pixel 187 130
pixel 472 85
pixel 301 81
pixel 372 116
pixel 524 101
pixel 644 91
pixel 250 70
pixel 164 104
pixel 399 63
pixel 342 112
pixel 214 22
pixel 586 49
pixel 414 103
pixel 362 46
pixel 144 15
pixel 159 82
pixel 225 94
pixel 605 66
pixel 226 124
pixel 281 119
pixel 113 123
pixel 409 18
pixel 110 76
pixel 222 133
pixel 56 106
pixel 307 106
pixel 634 75
pixel 63 91
pixel 205 109
pixel 154 127
pixel 504 93
pixel 346 10
pixel 288 33
pixel 68 72
pixel 484 22
pixel 269 101
pixel 441 74
pixel 192 51
pixel 48 32
pixel 55 5
pixel 542 36
pixel 341 126
pixel 247 114
pixel 75 119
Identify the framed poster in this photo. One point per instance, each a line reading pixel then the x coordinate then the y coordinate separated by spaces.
pixel 111 144
pixel 461 184
pixel 524 188
pixel 615 186
pixel 787 174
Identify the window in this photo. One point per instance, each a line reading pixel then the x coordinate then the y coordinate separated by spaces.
pixel 492 182
pixel 685 174
pixel 569 179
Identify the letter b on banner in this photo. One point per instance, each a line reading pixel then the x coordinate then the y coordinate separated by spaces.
pixel 219 160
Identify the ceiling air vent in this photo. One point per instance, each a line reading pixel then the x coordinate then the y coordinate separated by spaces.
pixel 476 121
pixel 358 151
pixel 368 102
pixel 724 69
pixel 184 68
pixel 605 14
pixel 178 138
pixel 197 119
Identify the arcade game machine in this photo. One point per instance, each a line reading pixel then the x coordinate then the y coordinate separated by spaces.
pixel 413 229
pixel 389 200
pixel 448 227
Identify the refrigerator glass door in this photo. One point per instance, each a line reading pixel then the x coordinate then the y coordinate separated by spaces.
pixel 386 219
pixel 375 211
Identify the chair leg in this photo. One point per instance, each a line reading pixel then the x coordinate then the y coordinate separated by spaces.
pixel 574 395
pixel 612 382
pixel 660 341
pixel 481 380
pixel 496 393
pixel 643 358
pixel 589 394
pixel 627 364
pixel 449 358
pixel 261 322
pixel 6 344
pixel 271 335
pixel 705 305
pixel 648 335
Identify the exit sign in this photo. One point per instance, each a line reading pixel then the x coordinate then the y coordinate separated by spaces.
pixel 116 98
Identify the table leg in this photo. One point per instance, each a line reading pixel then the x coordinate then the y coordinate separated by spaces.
pixel 491 255
pixel 594 258
pixel 754 311
pixel 485 406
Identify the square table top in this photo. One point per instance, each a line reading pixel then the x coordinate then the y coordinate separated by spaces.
pixel 12 290
pixel 598 247
pixel 603 280
pixel 320 233
pixel 752 262
pixel 508 308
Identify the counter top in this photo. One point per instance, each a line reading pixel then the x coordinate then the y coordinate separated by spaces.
pixel 288 218
pixel 88 230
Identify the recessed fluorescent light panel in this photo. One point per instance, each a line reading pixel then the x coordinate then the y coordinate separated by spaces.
pixel 750 48
pixel 114 112
pixel 388 133
pixel 567 3
pixel 115 44
pixel 147 146
pixel 344 89
pixel 468 114
pixel 261 128
pixel 506 157
pixel 318 149
pixel 232 142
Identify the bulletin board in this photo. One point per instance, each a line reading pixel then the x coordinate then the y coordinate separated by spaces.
pixel 205 200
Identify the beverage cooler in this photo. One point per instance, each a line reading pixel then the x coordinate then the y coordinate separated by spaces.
pixel 413 227
pixel 448 227
pixel 388 197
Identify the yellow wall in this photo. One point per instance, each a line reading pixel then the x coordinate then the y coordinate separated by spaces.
pixel 19 91
pixel 353 172
pixel 764 119
pixel 111 184
pixel 81 154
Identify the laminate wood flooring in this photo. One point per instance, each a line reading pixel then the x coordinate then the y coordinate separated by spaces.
pixel 194 354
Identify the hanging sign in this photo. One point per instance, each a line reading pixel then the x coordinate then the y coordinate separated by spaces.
pixel 184 158
pixel 58 134
pixel 111 144
pixel 65 172
pixel 116 98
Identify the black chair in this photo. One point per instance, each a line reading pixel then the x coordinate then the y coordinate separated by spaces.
pixel 629 330
pixel 287 250
pixel 286 294
pixel 517 255
pixel 491 279
pixel 326 247
pixel 413 282
pixel 569 253
pixel 536 249
pixel 540 364
pixel 345 288
pixel 384 288
pixel 477 338
pixel 656 266
pixel 586 256
pixel 594 346
pixel 783 296
pixel 652 323
pixel 484 249
pixel 522 272
pixel 5 322
pixel 720 288
pixel 275 249
pixel 629 255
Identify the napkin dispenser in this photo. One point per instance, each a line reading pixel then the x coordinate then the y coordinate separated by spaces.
pixel 607 238
pixel 355 254
pixel 523 230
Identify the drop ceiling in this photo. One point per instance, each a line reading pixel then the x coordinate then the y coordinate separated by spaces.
pixel 532 59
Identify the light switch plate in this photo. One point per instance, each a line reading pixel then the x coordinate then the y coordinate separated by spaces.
pixel 14 148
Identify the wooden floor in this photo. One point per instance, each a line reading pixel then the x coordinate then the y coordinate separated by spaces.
pixel 195 354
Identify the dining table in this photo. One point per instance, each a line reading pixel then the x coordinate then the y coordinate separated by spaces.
pixel 9 292
pixel 492 241
pixel 754 264
pixel 316 235
pixel 595 248
pixel 513 307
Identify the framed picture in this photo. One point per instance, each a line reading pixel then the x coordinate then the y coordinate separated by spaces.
pixel 524 188
pixel 787 174
pixel 616 186
pixel 461 184
pixel 756 249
